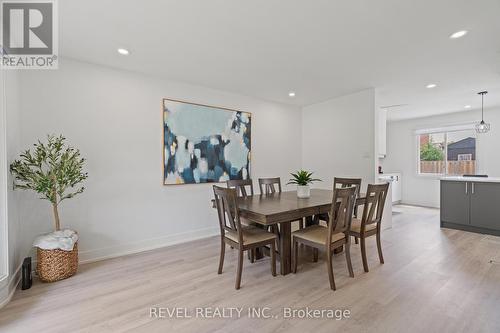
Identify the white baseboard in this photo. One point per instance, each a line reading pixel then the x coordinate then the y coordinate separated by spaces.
pixel 145 245
pixel 419 204
pixel 9 288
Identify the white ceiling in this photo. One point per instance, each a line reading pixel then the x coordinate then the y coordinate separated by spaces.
pixel 320 49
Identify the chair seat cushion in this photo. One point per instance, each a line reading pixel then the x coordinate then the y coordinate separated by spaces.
pixel 317 234
pixel 251 235
pixel 356 226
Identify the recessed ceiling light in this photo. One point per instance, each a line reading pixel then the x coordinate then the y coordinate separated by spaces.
pixel 458 34
pixel 431 85
pixel 291 94
pixel 467 106
pixel 123 51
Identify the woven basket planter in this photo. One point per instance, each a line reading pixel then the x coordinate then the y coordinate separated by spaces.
pixel 55 265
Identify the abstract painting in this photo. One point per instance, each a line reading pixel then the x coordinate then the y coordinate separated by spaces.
pixel 204 144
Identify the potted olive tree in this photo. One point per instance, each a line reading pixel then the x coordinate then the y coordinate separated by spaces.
pixel 302 179
pixel 54 170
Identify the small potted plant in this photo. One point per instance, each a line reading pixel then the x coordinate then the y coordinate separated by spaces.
pixel 54 170
pixel 302 179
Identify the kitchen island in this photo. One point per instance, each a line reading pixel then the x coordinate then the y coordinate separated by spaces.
pixel 471 204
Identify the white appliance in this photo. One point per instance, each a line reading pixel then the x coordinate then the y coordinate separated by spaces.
pixel 395 180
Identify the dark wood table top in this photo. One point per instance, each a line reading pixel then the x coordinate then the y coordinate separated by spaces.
pixel 286 207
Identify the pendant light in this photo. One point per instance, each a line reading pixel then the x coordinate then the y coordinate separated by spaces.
pixel 482 127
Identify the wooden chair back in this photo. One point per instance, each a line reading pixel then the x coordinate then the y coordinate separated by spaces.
pixel 244 187
pixel 347 182
pixel 228 212
pixel 267 185
pixel 341 211
pixel 374 206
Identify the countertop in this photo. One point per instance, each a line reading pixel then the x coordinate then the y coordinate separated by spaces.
pixel 389 174
pixel 473 179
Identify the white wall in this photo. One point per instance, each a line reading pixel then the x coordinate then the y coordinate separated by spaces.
pixel 115 118
pixel 338 138
pixel 12 251
pixel 402 153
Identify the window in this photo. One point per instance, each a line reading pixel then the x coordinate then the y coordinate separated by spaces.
pixel 465 157
pixel 447 152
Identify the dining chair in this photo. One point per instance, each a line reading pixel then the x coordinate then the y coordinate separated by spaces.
pixel 332 236
pixel 267 185
pixel 244 188
pixel 232 233
pixel 369 224
pixel 348 182
pixel 342 183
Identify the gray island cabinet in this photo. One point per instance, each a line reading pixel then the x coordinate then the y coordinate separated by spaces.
pixel 471 204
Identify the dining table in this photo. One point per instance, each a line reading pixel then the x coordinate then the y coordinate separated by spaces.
pixel 283 208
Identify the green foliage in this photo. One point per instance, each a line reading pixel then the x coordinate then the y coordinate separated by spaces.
pixel 302 178
pixel 429 152
pixel 52 169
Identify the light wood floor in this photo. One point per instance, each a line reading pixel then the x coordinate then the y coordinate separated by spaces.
pixel 433 280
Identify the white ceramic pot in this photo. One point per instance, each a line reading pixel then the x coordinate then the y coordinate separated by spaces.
pixel 303 191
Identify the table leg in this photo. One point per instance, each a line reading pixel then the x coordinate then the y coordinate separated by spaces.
pixel 285 247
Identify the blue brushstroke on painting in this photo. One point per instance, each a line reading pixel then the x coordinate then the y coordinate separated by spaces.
pixel 205 144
